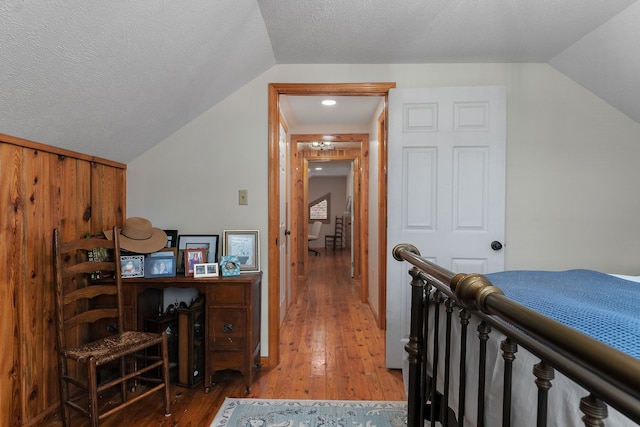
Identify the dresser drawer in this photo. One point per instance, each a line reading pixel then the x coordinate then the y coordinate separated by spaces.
pixel 226 295
pixel 228 329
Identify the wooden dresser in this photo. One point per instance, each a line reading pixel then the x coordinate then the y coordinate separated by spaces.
pixel 232 318
pixel 233 327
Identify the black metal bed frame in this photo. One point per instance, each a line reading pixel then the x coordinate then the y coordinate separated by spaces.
pixel 610 375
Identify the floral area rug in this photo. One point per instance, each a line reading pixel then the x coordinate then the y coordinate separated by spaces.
pixel 310 413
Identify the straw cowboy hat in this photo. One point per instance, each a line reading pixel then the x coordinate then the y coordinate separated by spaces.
pixel 138 235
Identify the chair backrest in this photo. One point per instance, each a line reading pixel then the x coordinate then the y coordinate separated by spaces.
pixel 314 231
pixel 88 287
pixel 338 228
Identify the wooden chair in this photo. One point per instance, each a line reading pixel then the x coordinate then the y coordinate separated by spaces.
pixel 335 239
pixel 96 357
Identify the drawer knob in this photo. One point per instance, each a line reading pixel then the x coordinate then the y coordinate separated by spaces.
pixel 227 328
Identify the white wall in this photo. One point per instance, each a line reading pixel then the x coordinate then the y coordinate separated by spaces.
pixel 572 172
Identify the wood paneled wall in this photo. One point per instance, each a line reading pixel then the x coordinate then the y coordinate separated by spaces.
pixel 42 188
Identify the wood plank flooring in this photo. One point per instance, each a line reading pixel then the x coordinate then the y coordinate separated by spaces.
pixel 330 348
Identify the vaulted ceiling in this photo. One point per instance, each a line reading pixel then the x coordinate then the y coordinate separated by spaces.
pixel 115 78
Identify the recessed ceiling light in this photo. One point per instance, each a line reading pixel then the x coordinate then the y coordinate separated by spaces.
pixel 318 169
pixel 329 102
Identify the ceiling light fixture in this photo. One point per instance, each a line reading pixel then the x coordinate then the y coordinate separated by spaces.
pixel 322 145
pixel 328 102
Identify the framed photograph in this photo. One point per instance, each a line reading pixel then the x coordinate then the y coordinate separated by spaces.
pixel 160 266
pixel 172 238
pixel 193 257
pixel 132 266
pixel 165 252
pixel 209 269
pixel 229 265
pixel 209 242
pixel 212 269
pixel 244 244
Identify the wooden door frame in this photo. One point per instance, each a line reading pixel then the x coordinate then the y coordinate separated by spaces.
pixel 382 220
pixel 273 278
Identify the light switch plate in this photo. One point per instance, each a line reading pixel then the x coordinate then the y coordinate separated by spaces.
pixel 243 197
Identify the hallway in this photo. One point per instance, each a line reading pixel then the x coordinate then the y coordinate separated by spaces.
pixel 330 346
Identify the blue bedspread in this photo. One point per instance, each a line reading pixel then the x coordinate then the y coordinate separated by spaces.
pixel 599 305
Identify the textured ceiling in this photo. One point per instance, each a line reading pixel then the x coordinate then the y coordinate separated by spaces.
pixel 113 79
pixel 427 31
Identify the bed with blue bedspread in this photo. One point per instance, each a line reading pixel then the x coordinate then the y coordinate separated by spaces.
pixel 603 306
pixel 588 301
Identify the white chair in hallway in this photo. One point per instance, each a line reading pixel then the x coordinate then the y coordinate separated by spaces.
pixel 314 234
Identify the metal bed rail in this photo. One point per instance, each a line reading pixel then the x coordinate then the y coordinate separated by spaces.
pixel 609 375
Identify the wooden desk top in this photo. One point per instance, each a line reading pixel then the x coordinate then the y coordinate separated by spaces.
pixel 182 281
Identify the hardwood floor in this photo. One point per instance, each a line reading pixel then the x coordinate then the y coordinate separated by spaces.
pixel 330 348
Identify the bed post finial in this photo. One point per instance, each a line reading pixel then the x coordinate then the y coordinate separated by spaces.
pixel 473 289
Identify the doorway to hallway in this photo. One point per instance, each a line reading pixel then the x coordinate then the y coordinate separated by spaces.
pixel 275 202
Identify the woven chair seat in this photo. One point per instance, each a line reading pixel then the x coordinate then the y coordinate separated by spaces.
pixel 113 347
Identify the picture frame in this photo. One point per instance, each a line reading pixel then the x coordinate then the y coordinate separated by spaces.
pixel 172 238
pixel 212 269
pixel 160 266
pixel 209 269
pixel 131 266
pixel 229 265
pixel 193 256
pixel 209 242
pixel 164 252
pixel 245 244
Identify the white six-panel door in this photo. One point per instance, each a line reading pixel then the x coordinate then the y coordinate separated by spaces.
pixel 446 188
